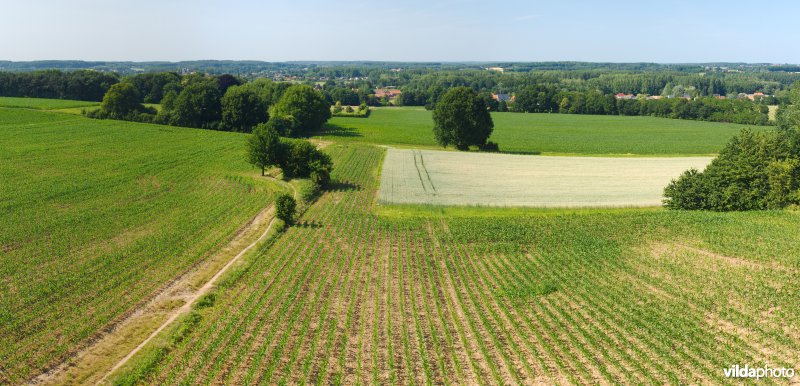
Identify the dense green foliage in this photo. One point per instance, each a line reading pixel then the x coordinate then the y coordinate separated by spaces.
pixel 197 105
pixel 462 119
pixel 548 99
pixel 264 148
pixel 545 133
pixel 491 296
pixel 243 109
pixel 788 116
pixel 153 86
pixel 99 215
pixel 307 106
pixel 755 171
pixel 78 85
pixel 285 206
pixel 301 159
pixel 297 158
pixel 121 100
pixel 284 125
pixel 270 92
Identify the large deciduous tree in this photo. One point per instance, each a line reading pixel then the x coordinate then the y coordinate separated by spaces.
pixel 307 106
pixel 121 100
pixel 242 109
pixel 461 118
pixel 264 147
pixel 197 105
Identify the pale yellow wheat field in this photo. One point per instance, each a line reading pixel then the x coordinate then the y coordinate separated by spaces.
pixel 452 178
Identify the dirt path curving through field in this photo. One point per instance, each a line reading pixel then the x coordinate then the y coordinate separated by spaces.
pixel 101 357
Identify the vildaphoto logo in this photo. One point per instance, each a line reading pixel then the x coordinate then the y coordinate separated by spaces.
pixel 737 371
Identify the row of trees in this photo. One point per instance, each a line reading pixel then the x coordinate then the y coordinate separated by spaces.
pixel 82 85
pixel 755 170
pixel 576 92
pixel 549 99
pixel 218 103
pixel 546 99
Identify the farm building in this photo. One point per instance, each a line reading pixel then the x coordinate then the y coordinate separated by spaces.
pixel 389 93
pixel 503 97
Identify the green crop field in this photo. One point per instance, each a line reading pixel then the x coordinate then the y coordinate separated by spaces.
pixel 95 216
pixel 546 133
pixel 44 104
pixel 425 296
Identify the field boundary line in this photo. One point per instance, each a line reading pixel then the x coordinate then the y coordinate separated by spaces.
pixel 185 287
pixel 206 288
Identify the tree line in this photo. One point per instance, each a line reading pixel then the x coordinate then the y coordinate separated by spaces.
pixel 547 99
pixel 216 102
pixel 84 85
pixel 271 111
pixel 560 87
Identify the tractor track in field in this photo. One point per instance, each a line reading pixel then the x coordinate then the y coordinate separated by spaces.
pixel 186 290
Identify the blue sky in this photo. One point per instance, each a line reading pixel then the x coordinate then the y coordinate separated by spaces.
pixel 414 30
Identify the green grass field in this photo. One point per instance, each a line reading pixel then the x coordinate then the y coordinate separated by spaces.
pixel 44 104
pixel 95 216
pixel 546 133
pixel 490 296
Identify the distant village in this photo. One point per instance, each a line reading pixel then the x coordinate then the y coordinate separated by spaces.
pixel 752 97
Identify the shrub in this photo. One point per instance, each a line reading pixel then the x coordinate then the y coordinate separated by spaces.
pixel 490 147
pixel 283 125
pixel 285 206
pixel 689 192
pixel 755 171
pixel 302 159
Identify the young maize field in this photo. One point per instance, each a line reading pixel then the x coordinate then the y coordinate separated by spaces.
pixel 349 296
pixel 97 216
pixel 457 178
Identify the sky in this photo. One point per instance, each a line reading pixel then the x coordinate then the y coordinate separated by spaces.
pixel 406 30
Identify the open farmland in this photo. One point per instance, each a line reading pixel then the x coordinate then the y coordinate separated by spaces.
pixel 605 296
pixel 456 178
pixel 97 216
pixel 546 133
